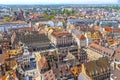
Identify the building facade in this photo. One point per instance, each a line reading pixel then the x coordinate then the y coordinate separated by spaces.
pixel 97 69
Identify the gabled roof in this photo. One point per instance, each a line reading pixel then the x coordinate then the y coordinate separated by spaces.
pixel 62 70
pixel 49 75
pixel 42 63
pixel 101 49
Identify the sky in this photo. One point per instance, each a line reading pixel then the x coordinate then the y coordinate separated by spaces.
pixel 57 1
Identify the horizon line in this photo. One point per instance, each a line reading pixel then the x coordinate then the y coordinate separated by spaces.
pixel 61 4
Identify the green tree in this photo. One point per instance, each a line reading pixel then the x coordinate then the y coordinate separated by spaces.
pixel 75 14
pixel 55 12
pixel 51 17
pixel 6 19
pixel 27 12
pixel 45 12
pixel 69 12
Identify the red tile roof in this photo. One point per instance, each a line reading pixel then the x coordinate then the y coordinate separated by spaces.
pixel 81 37
pixel 42 63
pixel 23 29
pixel 118 49
pixel 108 29
pixel 2 58
pixel 107 51
pixel 57 34
pixel 115 30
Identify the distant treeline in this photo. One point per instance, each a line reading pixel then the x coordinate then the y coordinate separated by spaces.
pixel 113 7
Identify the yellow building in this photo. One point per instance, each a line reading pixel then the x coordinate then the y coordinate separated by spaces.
pixel 70 27
pixel 9 75
pixel 88 34
pixel 96 35
pixel 11 64
pixel 14 52
pixel 75 71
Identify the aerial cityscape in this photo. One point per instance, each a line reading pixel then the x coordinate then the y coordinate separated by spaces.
pixel 60 40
